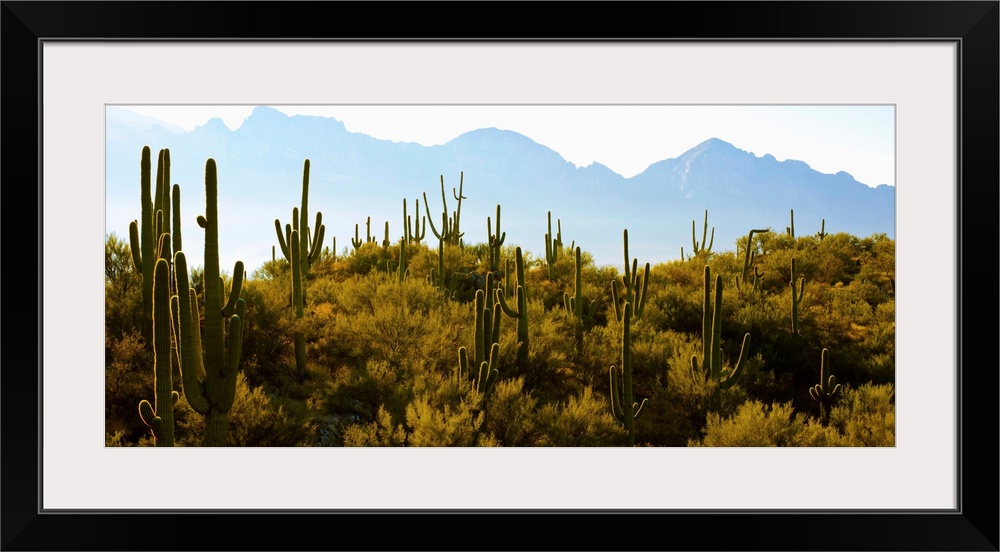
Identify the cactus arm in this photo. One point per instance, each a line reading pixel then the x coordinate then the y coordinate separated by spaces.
pixel 134 246
pixel 504 306
pixel 738 370
pixel 234 292
pixel 233 356
pixel 640 304
pixel 192 372
pixel 175 227
pixel 616 401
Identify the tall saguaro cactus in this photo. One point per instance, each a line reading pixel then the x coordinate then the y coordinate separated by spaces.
pixel 520 313
pixel 625 410
pixel 635 288
pixel 209 366
pixel 712 338
pixel 790 230
pixel 159 417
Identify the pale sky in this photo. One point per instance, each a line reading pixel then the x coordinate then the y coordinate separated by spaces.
pixel 859 140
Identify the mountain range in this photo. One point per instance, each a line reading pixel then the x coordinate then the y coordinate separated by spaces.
pixel 354 176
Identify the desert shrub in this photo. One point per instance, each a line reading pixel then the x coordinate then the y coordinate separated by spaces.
pixel 123 308
pixel 379 433
pixel 757 425
pixel 865 416
pixel 511 414
pixel 583 420
pixel 448 425
pixel 128 379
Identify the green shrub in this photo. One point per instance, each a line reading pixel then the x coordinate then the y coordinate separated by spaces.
pixel 756 425
pixel 865 416
pixel 584 420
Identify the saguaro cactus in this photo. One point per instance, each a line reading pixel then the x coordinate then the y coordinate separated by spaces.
pixel 622 406
pixel 209 379
pixel 822 230
pixel 159 417
pixel 484 378
pixel 553 244
pixel 487 320
pixel 635 288
pixel 698 248
pixel 414 230
pixel 495 242
pixel 790 230
pixel 827 389
pixel 521 312
pixel 155 220
pixel 712 338
pixel 576 305
pixel 749 254
pixel 310 245
pixel 796 298
pixel 449 225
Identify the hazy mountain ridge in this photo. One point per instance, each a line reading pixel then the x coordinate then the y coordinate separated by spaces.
pixel 354 176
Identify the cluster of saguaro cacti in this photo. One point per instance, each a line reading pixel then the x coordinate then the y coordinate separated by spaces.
pixel 827 389
pixel 484 378
pixel 209 365
pixel 145 234
pixel 635 287
pixel 796 298
pixel 495 242
pixel 623 406
pixel 450 232
pixel 310 244
pixel 712 337
pixel 576 305
pixel 159 416
pixel 520 313
pixel 487 320
pixel 486 349
pixel 553 244
pixel 695 246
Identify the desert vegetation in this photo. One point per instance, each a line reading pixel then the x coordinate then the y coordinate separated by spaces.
pixel 425 339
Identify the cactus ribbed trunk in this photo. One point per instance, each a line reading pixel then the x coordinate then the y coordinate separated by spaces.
pixel 216 429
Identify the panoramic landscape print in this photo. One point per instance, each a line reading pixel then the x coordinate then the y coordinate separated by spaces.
pixel 500 276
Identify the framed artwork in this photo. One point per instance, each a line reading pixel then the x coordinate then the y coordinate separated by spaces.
pixel 930 66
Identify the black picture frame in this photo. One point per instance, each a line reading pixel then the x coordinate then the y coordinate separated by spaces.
pixel 972 526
